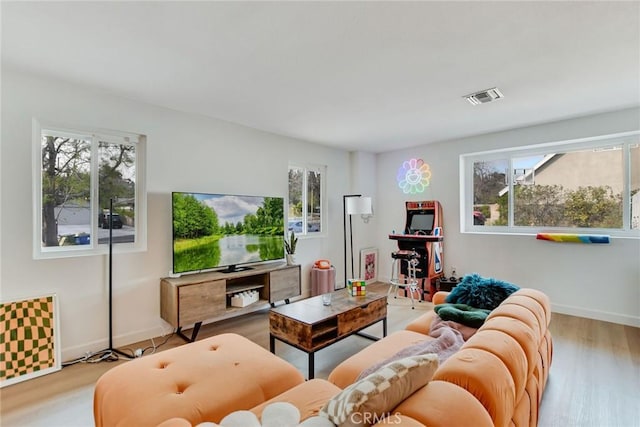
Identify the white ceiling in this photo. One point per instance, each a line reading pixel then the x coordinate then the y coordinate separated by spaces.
pixel 368 76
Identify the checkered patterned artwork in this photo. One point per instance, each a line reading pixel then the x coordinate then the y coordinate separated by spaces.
pixel 28 336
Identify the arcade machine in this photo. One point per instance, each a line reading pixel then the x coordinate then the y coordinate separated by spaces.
pixel 422 236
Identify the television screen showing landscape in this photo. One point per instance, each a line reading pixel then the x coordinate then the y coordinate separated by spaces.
pixel 218 230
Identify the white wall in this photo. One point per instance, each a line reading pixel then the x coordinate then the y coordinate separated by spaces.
pixel 596 281
pixel 185 153
pixel 194 153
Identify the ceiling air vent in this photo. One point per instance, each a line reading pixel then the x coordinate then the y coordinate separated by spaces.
pixel 484 96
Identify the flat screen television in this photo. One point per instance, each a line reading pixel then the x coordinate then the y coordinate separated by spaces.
pixel 227 232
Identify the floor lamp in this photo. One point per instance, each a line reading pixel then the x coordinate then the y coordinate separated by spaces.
pixel 353 204
pixel 111 349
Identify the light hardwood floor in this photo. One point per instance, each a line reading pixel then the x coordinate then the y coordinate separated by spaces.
pixel 594 379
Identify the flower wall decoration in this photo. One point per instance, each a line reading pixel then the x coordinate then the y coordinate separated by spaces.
pixel 413 176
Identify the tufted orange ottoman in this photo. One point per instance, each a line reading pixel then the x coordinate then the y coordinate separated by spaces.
pixel 200 381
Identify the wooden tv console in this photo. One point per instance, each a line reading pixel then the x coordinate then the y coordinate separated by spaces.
pixel 194 298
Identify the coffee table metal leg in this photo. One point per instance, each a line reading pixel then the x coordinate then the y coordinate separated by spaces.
pixel 374 338
pixel 272 344
pixel 311 367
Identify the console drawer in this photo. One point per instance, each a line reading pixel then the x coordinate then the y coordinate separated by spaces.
pixel 201 301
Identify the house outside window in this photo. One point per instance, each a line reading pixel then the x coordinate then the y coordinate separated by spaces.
pixel 85 184
pixel 307 205
pixel 588 185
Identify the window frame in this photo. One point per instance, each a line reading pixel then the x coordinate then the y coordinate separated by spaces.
pixel 306 168
pixel 466 161
pixel 95 136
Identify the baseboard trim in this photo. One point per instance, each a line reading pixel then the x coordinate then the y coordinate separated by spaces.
pixel 605 316
pixel 125 340
pixel 120 342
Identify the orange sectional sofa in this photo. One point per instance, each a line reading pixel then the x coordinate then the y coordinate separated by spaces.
pixel 496 379
pixel 504 366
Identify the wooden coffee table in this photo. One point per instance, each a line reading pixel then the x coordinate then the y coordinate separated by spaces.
pixel 310 326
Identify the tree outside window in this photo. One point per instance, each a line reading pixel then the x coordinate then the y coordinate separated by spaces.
pixel 80 177
pixel 588 187
pixel 66 182
pixel 305 199
pixel 116 182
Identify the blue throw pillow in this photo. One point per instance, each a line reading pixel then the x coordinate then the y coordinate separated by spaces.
pixel 481 292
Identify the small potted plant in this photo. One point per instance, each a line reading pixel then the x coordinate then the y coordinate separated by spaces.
pixel 290 247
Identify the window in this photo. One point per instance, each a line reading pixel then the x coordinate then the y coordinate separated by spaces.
pixel 572 186
pixel 306 199
pixel 87 182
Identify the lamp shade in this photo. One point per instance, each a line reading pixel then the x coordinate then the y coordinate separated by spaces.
pixel 359 206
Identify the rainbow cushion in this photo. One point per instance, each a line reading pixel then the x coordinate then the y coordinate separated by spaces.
pixel 573 238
